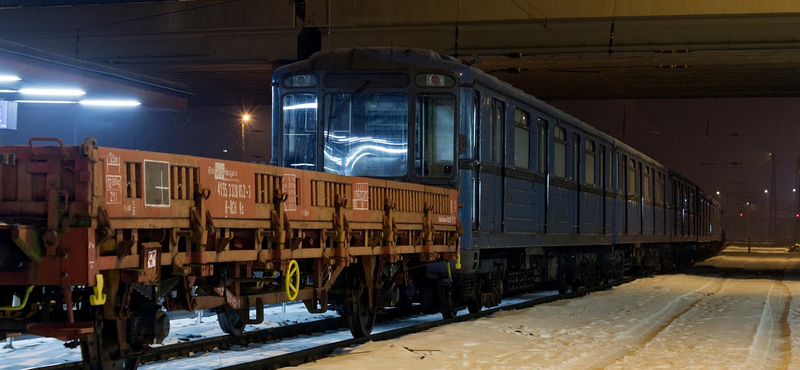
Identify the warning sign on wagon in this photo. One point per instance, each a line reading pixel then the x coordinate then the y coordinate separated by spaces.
pixel 361 196
pixel 152 260
pixel 290 188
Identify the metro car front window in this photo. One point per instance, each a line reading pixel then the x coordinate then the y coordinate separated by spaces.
pixel 366 135
pixel 434 152
pixel 300 131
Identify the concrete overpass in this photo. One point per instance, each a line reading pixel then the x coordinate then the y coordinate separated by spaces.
pixel 568 49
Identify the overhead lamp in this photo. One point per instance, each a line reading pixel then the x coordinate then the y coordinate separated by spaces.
pixel 9 78
pixel 53 92
pixel 46 101
pixel 8 91
pixel 111 103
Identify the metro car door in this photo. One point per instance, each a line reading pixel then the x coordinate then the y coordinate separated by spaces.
pixel 490 177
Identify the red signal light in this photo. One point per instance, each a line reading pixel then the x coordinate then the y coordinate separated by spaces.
pixel 741 214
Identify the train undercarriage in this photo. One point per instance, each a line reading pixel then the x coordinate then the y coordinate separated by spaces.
pixel 509 272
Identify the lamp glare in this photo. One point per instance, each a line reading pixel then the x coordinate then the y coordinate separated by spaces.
pixel 111 103
pixel 52 92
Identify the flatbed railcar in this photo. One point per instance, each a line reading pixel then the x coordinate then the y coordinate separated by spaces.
pixel 547 200
pixel 97 243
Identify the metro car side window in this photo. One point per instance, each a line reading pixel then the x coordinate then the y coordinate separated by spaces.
pixel 560 152
pixel 522 139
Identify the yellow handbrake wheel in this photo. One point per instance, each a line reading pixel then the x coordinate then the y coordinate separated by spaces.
pixel 292 280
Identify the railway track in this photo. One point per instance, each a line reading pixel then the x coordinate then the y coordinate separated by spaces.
pixel 294 358
pixel 184 349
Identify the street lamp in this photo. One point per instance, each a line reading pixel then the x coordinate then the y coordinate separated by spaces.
pixel 796 215
pixel 245 118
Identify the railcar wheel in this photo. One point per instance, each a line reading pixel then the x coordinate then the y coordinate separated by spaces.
pixel 571 287
pixel 357 311
pixel 498 289
pixel 101 351
pixel 475 301
pixel 229 321
pixel 406 303
pixel 448 308
pixel 449 314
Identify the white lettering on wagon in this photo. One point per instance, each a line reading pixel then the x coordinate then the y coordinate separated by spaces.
pixel 290 188
pixel 232 190
pixel 113 179
pixel 233 193
pixel 130 208
pixel 112 164
pixel 234 196
pixel 361 196
pixel 451 219
pixel 446 219
pixel 220 173
pixel 113 189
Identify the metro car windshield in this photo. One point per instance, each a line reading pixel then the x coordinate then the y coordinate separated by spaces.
pixel 366 135
pixel 300 131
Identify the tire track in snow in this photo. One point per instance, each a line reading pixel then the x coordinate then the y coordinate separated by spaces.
pixel 771 346
pixel 751 260
pixel 630 340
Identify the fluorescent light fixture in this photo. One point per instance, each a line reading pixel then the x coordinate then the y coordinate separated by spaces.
pixel 46 101
pixel 60 92
pixel 7 78
pixel 111 103
pixel 8 91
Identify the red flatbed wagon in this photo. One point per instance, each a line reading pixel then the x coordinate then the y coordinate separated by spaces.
pixel 96 243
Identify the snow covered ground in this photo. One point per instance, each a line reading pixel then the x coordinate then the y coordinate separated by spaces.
pixel 37 352
pixel 709 318
pixel 34 352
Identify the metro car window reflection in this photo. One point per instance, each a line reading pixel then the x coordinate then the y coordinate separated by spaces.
pixel 367 135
